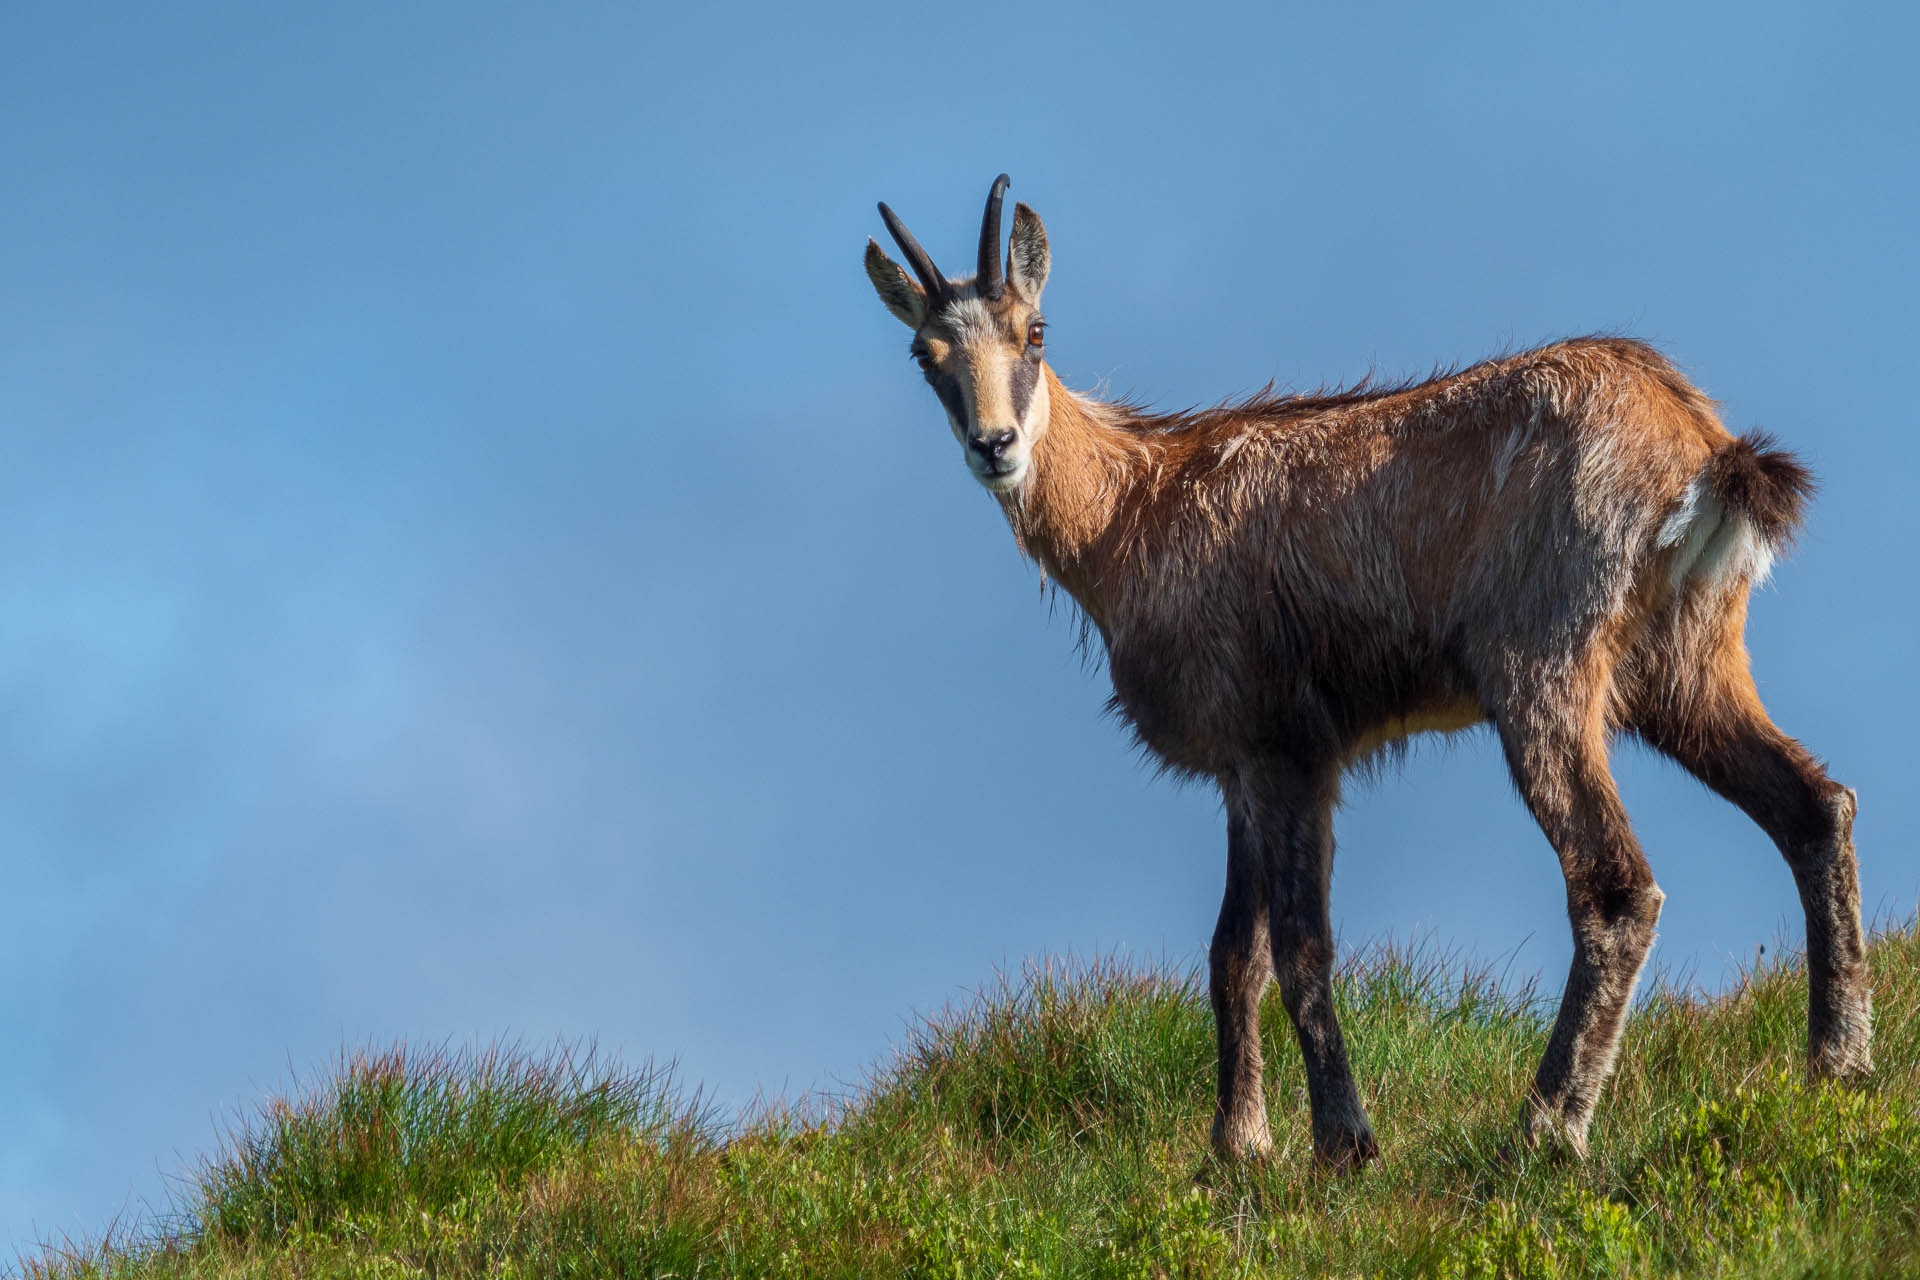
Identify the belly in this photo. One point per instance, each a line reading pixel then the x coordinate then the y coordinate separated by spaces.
pixel 1442 716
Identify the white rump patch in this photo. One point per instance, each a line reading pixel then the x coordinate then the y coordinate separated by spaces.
pixel 1713 545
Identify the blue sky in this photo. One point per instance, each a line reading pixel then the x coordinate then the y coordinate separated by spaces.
pixel 478 561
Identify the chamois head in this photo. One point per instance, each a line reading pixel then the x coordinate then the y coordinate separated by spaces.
pixel 979 342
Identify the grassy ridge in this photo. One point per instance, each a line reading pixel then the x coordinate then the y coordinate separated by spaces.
pixel 1057 1127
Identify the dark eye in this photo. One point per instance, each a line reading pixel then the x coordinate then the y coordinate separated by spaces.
pixel 1036 333
pixel 924 359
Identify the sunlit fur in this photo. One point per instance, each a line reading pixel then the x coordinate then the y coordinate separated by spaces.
pixel 1559 543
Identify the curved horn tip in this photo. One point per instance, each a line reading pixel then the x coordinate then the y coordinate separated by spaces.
pixel 922 263
pixel 990 275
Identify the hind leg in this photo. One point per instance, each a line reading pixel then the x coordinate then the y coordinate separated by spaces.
pixel 1555 742
pixel 1712 723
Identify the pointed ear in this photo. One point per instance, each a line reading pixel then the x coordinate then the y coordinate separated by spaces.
pixel 1027 258
pixel 903 297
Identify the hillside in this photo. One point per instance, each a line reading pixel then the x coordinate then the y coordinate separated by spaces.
pixel 1057 1128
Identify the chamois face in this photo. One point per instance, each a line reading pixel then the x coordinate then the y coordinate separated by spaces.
pixel 982 358
pixel 980 343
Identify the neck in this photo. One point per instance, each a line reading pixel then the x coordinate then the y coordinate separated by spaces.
pixel 1071 513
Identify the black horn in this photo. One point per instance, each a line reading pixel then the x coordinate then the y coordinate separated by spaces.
pixel 993 280
pixel 930 277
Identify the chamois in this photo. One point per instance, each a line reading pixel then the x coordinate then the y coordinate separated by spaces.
pixel 1559 543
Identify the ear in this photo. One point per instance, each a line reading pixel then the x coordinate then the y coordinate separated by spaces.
pixel 1027 258
pixel 903 297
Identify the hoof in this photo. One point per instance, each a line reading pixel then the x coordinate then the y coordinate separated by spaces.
pixel 1347 1151
pixel 1243 1142
pixel 1840 1030
pixel 1840 1065
pixel 1552 1134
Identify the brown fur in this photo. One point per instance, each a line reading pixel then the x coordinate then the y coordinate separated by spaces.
pixel 1768 484
pixel 1558 542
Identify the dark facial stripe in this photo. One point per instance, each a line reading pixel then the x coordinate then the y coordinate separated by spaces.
pixel 948 389
pixel 1020 383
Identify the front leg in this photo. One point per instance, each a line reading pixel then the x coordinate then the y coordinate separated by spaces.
pixel 1301 867
pixel 1280 828
pixel 1237 972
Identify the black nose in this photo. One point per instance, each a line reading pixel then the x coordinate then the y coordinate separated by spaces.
pixel 992 447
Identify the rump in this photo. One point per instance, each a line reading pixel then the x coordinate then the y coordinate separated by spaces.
pixel 1740 510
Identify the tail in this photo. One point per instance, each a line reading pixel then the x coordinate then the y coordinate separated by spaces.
pixel 1740 510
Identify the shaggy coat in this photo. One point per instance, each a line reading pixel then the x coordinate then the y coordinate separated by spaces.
pixel 1559 543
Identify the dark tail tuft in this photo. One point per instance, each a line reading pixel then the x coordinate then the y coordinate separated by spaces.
pixel 1765 484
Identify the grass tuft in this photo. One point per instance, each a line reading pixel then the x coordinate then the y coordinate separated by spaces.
pixel 1056 1126
pixel 408 1132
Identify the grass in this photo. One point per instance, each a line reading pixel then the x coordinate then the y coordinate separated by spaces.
pixel 1057 1126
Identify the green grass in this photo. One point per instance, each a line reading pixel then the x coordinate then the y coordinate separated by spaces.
pixel 1057 1127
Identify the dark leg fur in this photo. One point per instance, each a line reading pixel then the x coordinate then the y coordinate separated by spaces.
pixel 1303 953
pixel 1285 825
pixel 1722 735
pixel 1238 969
pixel 1613 903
